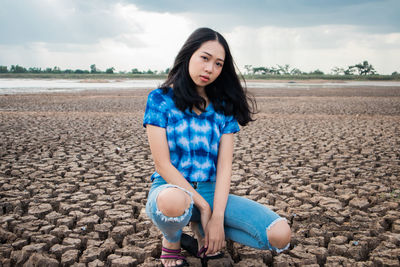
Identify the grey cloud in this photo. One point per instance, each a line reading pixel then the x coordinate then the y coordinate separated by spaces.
pixel 379 15
pixel 75 22
pixel 86 22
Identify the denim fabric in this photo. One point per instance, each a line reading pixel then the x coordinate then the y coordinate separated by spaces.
pixel 246 221
pixel 171 227
pixel 193 140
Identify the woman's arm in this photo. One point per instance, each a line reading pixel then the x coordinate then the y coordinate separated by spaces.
pixel 215 228
pixel 160 151
pixel 224 171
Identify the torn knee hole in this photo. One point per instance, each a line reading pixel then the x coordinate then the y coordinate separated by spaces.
pixel 173 202
pixel 279 234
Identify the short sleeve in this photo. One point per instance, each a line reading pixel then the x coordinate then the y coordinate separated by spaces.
pixel 156 110
pixel 231 125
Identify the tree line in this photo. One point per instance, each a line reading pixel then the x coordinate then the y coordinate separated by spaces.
pixel 361 69
pixel 93 69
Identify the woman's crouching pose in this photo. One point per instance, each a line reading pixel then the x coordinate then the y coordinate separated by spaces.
pixel 190 122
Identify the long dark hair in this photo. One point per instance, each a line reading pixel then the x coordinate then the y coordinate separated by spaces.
pixel 226 93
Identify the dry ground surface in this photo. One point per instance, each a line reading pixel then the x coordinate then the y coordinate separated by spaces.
pixel 75 168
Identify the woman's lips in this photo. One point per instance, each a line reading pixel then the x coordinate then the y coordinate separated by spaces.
pixel 204 78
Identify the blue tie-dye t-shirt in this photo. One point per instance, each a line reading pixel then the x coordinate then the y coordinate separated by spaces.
pixel 193 139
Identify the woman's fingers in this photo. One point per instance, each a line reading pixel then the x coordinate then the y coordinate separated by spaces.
pixel 214 246
pixel 210 248
pixel 206 241
pixel 206 235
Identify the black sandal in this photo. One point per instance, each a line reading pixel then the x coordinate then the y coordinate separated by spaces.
pixel 173 254
pixel 190 244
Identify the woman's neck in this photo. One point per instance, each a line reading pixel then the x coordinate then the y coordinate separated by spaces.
pixel 202 92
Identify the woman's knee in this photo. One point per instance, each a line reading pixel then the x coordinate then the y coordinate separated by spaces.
pixel 279 234
pixel 173 202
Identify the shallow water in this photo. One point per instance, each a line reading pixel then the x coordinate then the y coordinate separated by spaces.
pixel 305 84
pixel 23 86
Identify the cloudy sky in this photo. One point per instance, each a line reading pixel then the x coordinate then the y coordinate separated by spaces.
pixel 147 34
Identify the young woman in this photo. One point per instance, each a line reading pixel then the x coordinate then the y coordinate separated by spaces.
pixel 190 123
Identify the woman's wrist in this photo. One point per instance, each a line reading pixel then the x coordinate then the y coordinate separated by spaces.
pixel 199 201
pixel 218 216
pixel 203 205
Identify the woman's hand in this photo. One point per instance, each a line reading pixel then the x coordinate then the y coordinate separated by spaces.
pixel 205 215
pixel 214 230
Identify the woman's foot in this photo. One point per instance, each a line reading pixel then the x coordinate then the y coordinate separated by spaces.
pixel 172 250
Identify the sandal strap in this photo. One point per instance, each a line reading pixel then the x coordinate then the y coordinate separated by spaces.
pixel 172 251
pixel 201 251
pixel 173 256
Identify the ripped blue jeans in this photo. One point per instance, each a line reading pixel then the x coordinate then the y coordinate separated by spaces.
pixel 245 221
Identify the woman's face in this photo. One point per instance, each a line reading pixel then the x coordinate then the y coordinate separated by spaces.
pixel 206 63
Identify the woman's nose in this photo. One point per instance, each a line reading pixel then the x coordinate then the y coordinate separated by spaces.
pixel 208 68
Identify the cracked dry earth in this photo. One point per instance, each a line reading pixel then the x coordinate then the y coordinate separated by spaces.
pixel 75 168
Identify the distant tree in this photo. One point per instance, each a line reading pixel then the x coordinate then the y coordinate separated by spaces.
pixel 259 70
pixel 35 70
pixel 3 69
pixel 17 69
pixel 68 71
pixel 136 71
pixel 110 70
pixel 350 70
pixel 395 73
pixel 79 71
pixel 249 69
pixel 337 71
pixel 149 71
pixel 295 71
pixel 167 70
pixel 273 70
pixel 318 72
pixel 56 70
pixel 93 68
pixel 364 68
pixel 284 69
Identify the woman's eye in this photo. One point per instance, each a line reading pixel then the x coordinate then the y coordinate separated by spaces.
pixel 205 58
pixel 219 64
